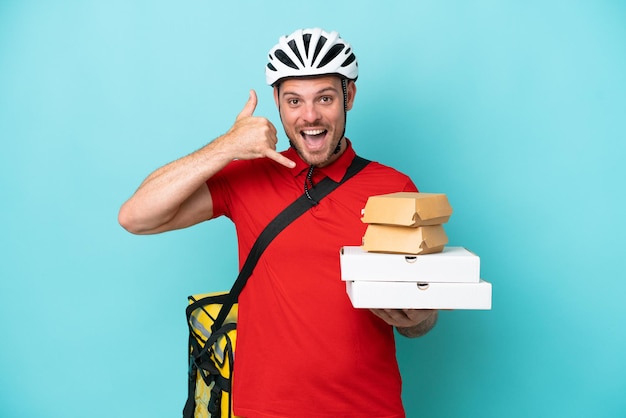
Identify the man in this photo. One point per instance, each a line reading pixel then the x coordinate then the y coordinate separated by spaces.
pixel 302 349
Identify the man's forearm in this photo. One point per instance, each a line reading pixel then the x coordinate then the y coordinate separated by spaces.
pixel 421 328
pixel 160 197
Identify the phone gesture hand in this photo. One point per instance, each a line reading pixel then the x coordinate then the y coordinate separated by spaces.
pixel 255 136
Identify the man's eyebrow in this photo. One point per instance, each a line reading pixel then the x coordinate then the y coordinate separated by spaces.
pixel 319 92
pixel 326 89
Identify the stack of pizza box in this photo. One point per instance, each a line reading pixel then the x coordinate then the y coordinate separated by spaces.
pixel 404 261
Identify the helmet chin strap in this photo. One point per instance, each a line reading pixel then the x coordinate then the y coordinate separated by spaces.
pixel 344 88
pixel 338 147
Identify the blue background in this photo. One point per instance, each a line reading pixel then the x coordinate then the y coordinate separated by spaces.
pixel 516 110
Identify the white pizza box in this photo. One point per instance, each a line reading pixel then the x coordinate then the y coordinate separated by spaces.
pixel 413 295
pixel 453 264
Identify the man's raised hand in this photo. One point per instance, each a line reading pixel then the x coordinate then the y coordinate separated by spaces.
pixel 255 136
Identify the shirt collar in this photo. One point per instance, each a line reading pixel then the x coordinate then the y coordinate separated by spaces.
pixel 335 171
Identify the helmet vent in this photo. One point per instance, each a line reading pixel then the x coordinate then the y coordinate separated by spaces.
pixel 348 60
pixel 284 58
pixel 307 43
pixel 318 47
pixel 331 54
pixel 294 48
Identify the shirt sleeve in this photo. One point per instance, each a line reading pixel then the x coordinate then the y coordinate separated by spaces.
pixel 221 187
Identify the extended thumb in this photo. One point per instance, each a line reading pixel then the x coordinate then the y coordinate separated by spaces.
pixel 248 109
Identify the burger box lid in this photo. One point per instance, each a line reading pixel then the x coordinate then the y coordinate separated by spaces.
pixel 407 209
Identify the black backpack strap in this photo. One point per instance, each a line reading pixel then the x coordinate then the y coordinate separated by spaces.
pixel 280 222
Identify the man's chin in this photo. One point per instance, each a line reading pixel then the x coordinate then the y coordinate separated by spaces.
pixel 315 159
pixel 312 155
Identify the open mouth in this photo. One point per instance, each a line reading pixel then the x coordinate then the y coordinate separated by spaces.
pixel 313 133
pixel 314 138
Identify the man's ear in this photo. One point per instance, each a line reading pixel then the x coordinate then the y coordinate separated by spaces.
pixel 351 90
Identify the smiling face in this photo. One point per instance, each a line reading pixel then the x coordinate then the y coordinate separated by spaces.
pixel 313 116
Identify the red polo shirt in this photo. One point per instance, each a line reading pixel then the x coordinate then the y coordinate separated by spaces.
pixel 302 349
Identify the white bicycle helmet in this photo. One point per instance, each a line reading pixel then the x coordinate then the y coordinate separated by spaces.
pixel 310 52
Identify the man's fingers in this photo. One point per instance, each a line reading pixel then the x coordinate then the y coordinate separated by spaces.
pixel 280 159
pixel 382 314
pixel 402 317
pixel 262 133
pixel 248 109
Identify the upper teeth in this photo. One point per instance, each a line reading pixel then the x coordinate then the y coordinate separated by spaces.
pixel 313 132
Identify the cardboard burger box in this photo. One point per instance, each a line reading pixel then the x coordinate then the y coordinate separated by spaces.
pixel 453 264
pixel 406 222
pixel 411 209
pixel 404 240
pixel 415 295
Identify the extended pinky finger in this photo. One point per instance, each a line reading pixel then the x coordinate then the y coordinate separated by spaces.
pixel 280 159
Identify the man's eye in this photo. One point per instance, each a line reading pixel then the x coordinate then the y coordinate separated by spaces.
pixel 325 99
pixel 293 102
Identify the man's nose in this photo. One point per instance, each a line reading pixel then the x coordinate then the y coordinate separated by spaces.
pixel 310 113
